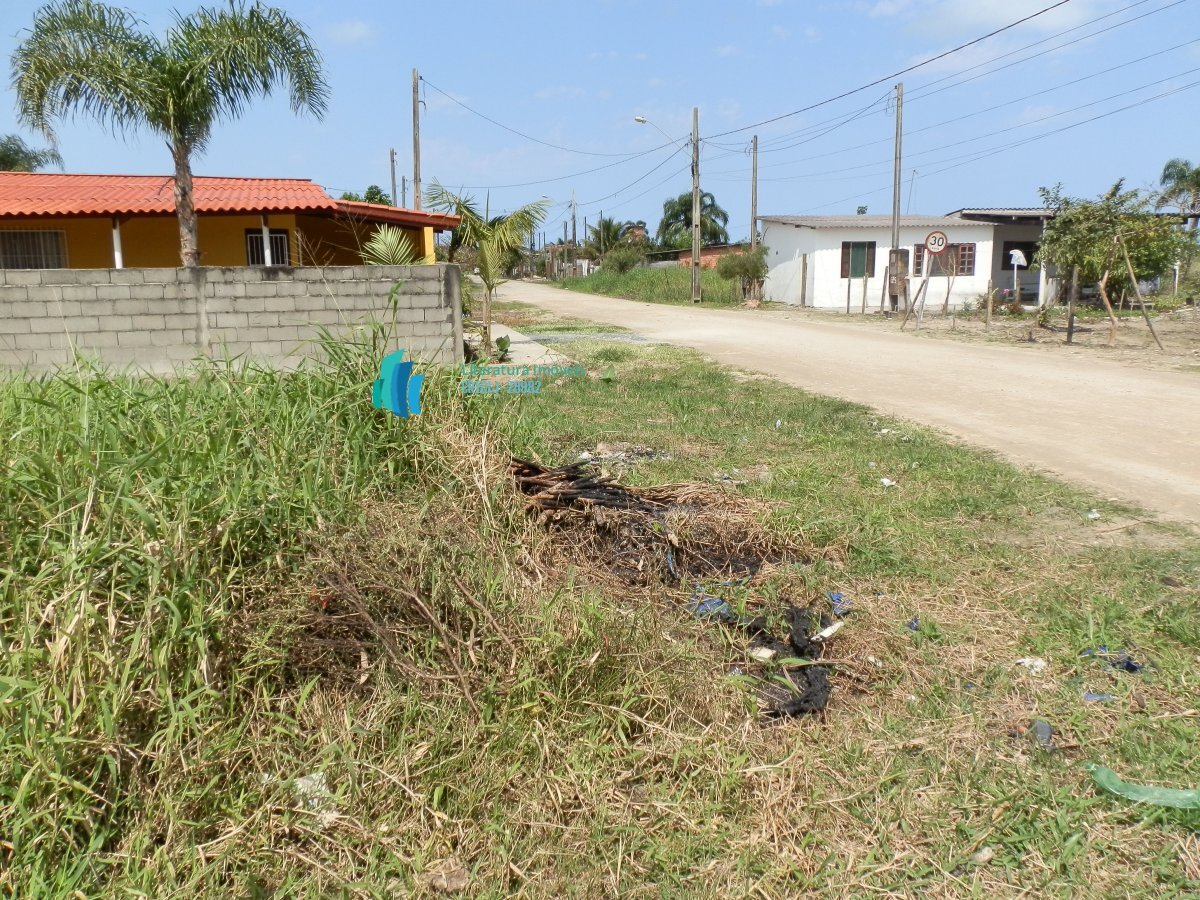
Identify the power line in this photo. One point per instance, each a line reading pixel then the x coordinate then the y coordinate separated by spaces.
pixel 979 112
pixel 904 71
pixel 511 130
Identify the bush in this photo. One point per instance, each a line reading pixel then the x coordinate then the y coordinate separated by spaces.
pixel 749 268
pixel 622 259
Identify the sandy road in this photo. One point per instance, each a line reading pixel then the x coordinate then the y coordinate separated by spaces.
pixel 1127 432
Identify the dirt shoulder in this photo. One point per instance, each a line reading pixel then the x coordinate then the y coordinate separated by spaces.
pixel 1130 432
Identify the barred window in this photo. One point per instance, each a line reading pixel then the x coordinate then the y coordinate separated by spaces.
pixel 279 247
pixel 32 250
pixel 858 259
pixel 963 255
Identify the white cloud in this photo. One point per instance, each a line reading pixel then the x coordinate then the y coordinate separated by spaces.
pixel 728 50
pixel 811 34
pixel 781 33
pixel 890 7
pixel 768 2
pixel 351 31
pixel 655 83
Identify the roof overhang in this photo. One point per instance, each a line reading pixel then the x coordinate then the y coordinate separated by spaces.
pixel 394 215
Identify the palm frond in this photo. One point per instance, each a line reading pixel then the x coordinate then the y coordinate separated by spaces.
pixel 230 56
pixel 86 58
pixel 389 246
pixel 17 156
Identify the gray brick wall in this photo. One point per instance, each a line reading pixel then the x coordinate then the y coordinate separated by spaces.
pixel 158 319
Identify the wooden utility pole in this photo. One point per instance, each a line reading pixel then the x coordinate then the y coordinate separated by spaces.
pixel 416 140
pixel 1071 304
pixel 574 245
pixel 392 161
pixel 754 193
pixel 695 204
pixel 404 190
pixel 893 263
pixel 600 232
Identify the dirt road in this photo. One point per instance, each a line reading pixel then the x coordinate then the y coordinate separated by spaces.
pixel 1129 433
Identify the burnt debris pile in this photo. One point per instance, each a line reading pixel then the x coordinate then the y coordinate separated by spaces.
pixel 672 540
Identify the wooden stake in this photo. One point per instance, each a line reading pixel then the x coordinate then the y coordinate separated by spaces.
pixel 849 281
pixel 883 292
pixel 864 296
pixel 1071 304
pixel 1138 292
pixel 1112 317
pixel 917 299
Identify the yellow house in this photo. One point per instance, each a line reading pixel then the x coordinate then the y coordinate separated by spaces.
pixel 55 221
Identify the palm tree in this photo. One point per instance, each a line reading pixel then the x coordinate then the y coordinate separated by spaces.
pixel 675 227
pixel 17 156
pixel 494 238
pixel 604 235
pixel 85 57
pixel 1180 182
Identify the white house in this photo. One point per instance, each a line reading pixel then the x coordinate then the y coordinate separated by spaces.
pixel 834 261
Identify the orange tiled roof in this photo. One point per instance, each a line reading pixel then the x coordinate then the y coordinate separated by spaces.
pixel 48 194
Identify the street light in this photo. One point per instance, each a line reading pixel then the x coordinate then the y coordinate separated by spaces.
pixel 642 120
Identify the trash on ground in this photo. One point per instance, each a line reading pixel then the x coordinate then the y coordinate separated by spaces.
pixel 983 856
pixel 1089 697
pixel 826 633
pixel 913 624
pixel 888 483
pixel 1117 659
pixel 1043 733
pixel 449 878
pixel 779 423
pixel 705 606
pixel 1034 664
pixel 623 452
pixel 801 688
pixel 659 539
pixel 1093 514
pixel 841 603
pixel 1144 793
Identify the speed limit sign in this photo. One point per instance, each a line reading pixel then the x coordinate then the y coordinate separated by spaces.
pixel 936 242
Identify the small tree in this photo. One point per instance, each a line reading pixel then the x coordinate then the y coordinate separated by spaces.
pixel 494 239
pixel 1088 235
pixel 373 194
pixel 749 268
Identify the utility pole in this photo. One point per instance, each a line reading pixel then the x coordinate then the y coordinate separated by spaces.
pixel 403 190
pixel 574 222
pixel 392 160
pixel 416 140
pixel 600 231
pixel 695 204
pixel 754 193
pixel 898 272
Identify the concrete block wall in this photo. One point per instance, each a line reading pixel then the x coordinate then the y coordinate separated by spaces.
pixel 159 319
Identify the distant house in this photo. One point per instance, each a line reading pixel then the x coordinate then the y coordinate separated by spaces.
pixel 709 256
pixel 55 221
pixel 819 260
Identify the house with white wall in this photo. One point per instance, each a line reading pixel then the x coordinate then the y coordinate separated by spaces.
pixel 830 262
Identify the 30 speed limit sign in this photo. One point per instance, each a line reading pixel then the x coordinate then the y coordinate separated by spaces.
pixel 936 242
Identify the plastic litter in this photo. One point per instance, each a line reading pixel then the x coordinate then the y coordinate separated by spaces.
pixel 779 423
pixel 1043 733
pixel 983 856
pixel 913 624
pixel 1093 514
pixel 762 654
pixel 1089 697
pixel 797 689
pixel 826 633
pixel 888 483
pixel 1144 793
pixel 841 603
pixel 702 606
pixel 1034 664
pixel 1117 659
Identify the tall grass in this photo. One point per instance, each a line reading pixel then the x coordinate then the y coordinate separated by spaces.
pixel 665 285
pixel 137 516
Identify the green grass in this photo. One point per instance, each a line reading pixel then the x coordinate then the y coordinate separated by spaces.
pixel 666 285
pixel 212 586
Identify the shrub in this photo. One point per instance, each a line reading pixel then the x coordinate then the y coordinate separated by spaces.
pixel 622 259
pixel 749 268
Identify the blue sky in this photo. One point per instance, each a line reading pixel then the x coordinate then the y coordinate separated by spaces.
pixel 576 75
